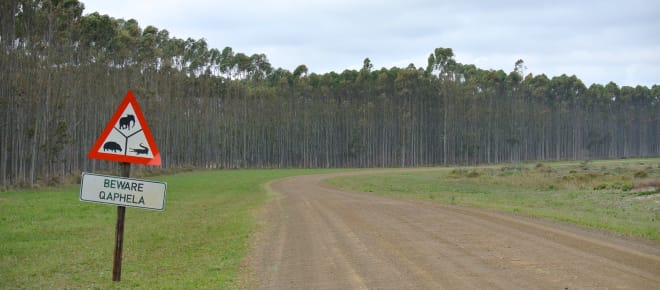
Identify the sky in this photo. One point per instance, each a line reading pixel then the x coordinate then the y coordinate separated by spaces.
pixel 597 40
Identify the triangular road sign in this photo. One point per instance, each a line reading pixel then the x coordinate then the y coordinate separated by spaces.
pixel 127 137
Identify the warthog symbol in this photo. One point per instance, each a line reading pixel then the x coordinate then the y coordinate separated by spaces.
pixel 112 146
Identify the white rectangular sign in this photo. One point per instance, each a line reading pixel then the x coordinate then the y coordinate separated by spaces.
pixel 123 191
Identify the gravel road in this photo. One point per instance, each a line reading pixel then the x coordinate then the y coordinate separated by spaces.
pixel 314 236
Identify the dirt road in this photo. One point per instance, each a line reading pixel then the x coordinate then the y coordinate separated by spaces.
pixel 318 237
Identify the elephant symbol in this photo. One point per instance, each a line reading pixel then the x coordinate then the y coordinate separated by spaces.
pixel 127 122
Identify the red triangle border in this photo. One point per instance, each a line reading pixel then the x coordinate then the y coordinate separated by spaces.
pixel 96 153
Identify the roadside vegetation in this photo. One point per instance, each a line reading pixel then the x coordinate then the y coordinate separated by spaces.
pixel 51 240
pixel 64 70
pixel 622 196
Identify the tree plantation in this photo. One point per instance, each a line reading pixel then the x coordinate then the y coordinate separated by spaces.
pixel 63 75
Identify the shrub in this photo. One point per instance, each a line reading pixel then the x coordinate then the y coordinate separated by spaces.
pixel 601 186
pixel 627 186
pixel 544 169
pixel 473 174
pixel 456 173
pixel 619 185
pixel 640 174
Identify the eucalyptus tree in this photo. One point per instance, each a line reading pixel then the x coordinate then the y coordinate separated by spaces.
pixel 441 62
pixel 62 73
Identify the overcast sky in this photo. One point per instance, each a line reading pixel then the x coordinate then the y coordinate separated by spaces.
pixel 598 41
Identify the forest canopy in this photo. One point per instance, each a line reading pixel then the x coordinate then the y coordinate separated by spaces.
pixel 64 73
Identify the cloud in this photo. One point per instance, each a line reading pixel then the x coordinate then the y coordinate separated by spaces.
pixel 598 41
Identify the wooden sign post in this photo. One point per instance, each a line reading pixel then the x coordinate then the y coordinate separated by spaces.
pixel 123 192
pixel 125 169
pixel 125 139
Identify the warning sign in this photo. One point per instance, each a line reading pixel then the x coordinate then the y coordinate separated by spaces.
pixel 127 137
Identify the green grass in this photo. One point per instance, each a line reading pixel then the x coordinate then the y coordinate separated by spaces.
pixel 49 239
pixel 598 194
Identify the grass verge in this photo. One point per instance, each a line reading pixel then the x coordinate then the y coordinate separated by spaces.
pixel 622 196
pixel 50 240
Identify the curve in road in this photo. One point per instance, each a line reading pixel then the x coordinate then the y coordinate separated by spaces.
pixel 315 236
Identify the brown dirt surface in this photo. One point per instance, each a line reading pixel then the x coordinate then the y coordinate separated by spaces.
pixel 314 236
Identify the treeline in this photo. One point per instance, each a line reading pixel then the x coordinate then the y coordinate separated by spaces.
pixel 64 74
